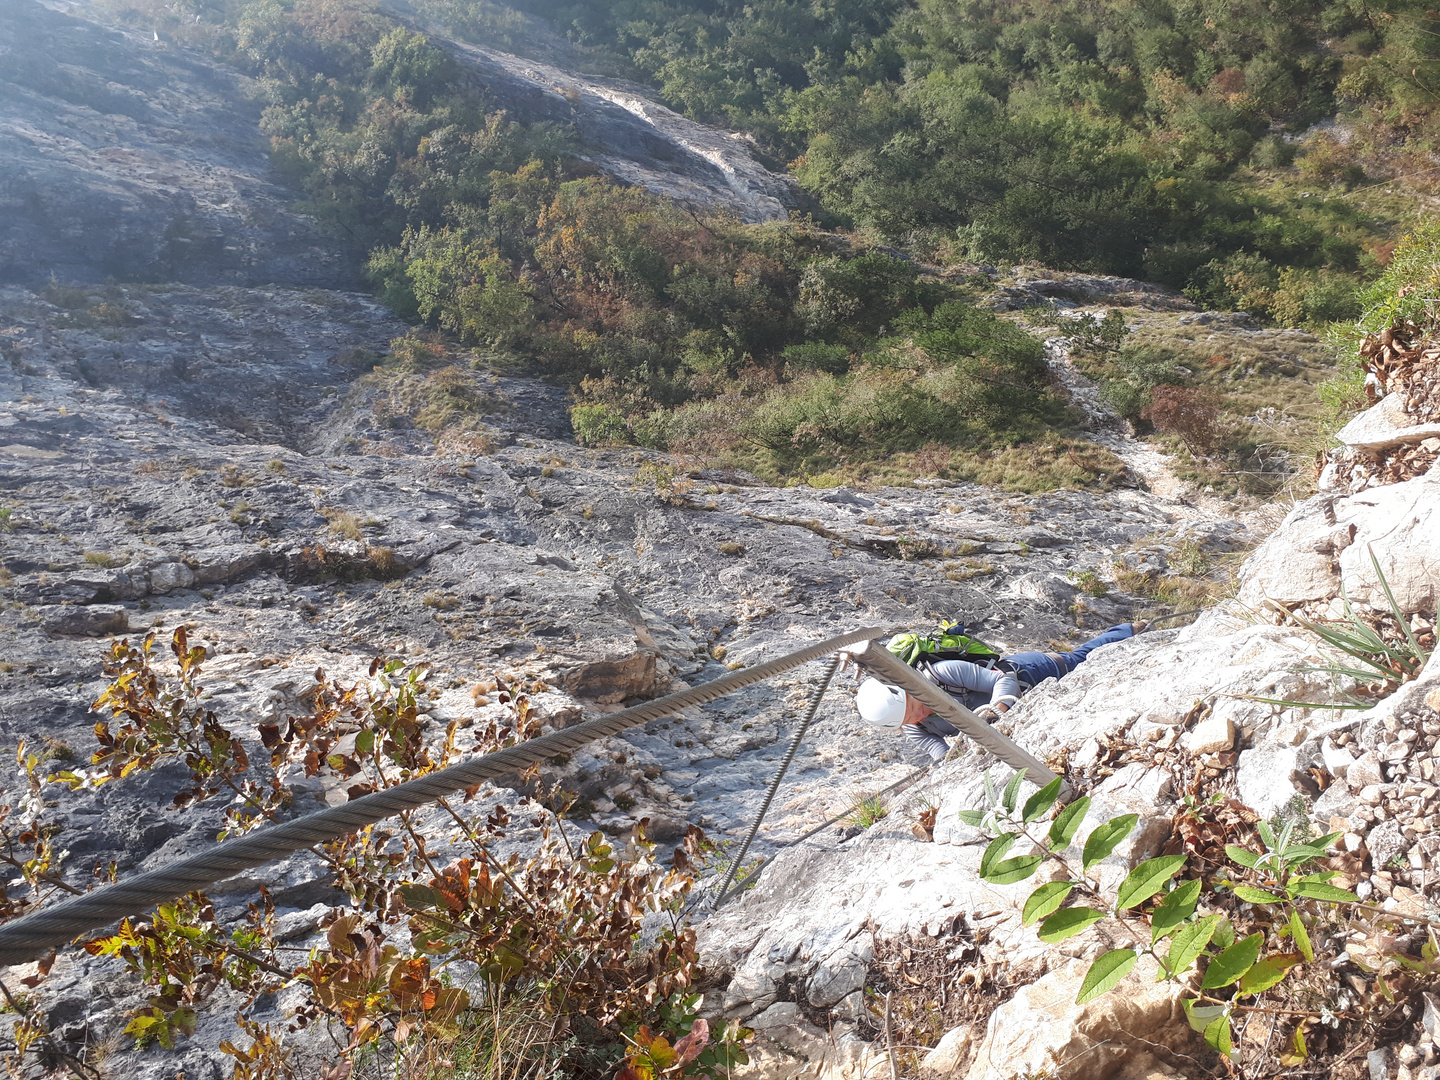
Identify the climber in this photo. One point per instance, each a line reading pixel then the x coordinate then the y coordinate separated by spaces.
pixel 988 691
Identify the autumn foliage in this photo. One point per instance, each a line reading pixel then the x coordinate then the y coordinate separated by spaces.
pixel 449 957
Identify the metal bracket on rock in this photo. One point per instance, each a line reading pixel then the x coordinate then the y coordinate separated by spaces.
pixel 889 668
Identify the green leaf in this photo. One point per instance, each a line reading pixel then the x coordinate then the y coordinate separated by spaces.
pixel 1415 648
pixel 1256 896
pixel 1189 942
pixel 1011 794
pixel 1178 905
pixel 364 741
pixel 1105 973
pixel 995 851
pixel 1045 901
pixel 1267 834
pixel 1013 870
pixel 973 818
pixel 1318 890
pixel 1039 804
pixel 1146 880
pixel 420 897
pixel 1218 1036
pixel 1267 972
pixel 1106 838
pixel 1247 859
pixel 1201 1016
pixel 1067 922
pixel 1224 935
pixel 1062 829
pixel 1301 936
pixel 1232 962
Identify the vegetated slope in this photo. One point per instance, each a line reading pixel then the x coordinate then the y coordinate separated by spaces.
pixel 784 349
pixel 1155 141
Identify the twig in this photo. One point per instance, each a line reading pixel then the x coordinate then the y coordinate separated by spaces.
pixel 889 1050
pixel 74 1064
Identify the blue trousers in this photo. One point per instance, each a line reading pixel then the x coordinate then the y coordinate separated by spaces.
pixel 976 686
pixel 1034 667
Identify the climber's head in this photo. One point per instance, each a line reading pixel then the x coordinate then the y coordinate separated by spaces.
pixel 884 706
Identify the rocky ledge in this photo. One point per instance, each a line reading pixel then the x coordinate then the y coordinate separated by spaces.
pixel 1164 726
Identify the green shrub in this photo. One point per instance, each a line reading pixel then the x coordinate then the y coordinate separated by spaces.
pixel 1273 153
pixel 817 356
pixel 1128 380
pixel 1412 277
pixel 598 425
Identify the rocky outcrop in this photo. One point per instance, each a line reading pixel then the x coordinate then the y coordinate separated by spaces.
pixel 637 140
pixel 1138 724
pixel 136 159
pixel 210 462
pixel 1120 1036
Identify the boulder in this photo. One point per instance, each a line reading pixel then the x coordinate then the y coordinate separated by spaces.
pixel 1049 588
pixel 169 576
pixel 222 565
pixel 946 1057
pixel 107 585
pixel 1262 776
pixel 1364 772
pixel 1297 563
pixel 72 620
pixel 613 680
pixel 788 1047
pixel 1337 759
pixel 1385 841
pixel 1041 1031
pixel 1385 426
pixel 1211 736
pixel 1401 524
pixel 841 972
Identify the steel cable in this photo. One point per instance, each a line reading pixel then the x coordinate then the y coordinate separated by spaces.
pixel 31 935
pixel 810 711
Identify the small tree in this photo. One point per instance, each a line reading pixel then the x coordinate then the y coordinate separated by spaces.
pixel 1190 414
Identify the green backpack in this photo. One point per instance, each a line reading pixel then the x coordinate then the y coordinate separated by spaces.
pixel 948 641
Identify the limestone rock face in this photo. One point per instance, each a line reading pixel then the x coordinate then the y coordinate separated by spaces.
pixel 1385 425
pixel 1327 541
pixel 1113 1037
pixel 1401 524
pixel 77 621
pixel 136 159
pixel 1298 563
pixel 945 1057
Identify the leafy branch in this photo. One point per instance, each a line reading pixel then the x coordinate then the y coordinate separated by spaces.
pixel 1184 933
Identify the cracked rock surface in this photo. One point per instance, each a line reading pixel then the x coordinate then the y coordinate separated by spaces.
pixel 187 463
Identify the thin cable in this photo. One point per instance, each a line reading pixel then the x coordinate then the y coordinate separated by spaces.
pixel 899 785
pixel 33 934
pixel 779 775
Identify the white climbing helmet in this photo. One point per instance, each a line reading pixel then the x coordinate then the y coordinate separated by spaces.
pixel 880 704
